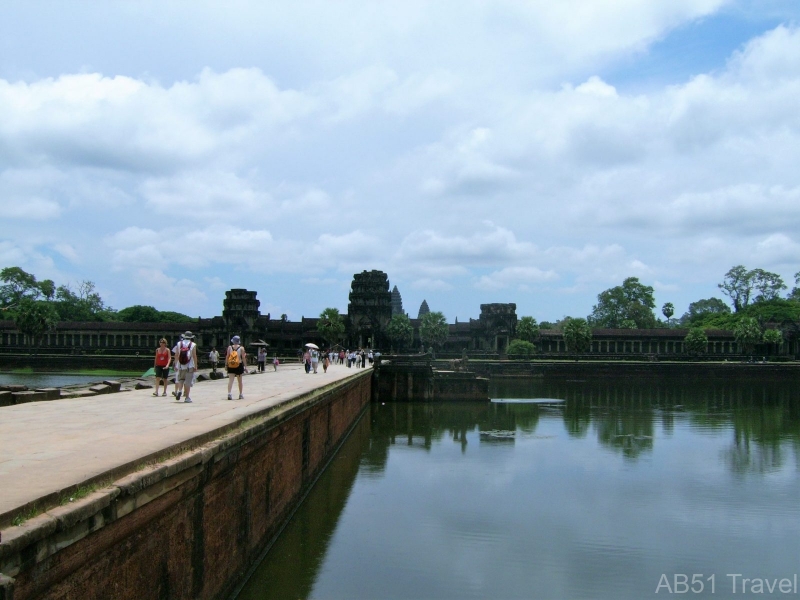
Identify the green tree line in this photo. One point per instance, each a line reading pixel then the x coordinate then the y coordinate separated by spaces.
pixel 37 305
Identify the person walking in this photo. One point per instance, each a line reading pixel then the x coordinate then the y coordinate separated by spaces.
pixel 275 363
pixel 314 360
pixel 161 365
pixel 325 362
pixel 262 359
pixel 307 361
pixel 185 365
pixel 235 358
pixel 213 358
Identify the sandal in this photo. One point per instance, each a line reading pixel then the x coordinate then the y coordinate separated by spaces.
pixel 155 393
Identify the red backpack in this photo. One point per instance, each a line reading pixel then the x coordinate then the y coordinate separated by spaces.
pixel 185 354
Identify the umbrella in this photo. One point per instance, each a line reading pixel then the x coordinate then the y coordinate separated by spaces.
pixel 149 373
pixel 314 346
pixel 259 343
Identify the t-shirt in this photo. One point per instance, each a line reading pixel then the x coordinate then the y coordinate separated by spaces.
pixel 189 345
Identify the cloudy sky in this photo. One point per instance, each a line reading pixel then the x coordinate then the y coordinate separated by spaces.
pixel 533 152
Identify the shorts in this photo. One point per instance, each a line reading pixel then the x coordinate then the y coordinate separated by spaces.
pixel 237 371
pixel 185 376
pixel 162 372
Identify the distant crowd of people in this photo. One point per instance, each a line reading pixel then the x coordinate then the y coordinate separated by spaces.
pixel 312 357
pixel 182 358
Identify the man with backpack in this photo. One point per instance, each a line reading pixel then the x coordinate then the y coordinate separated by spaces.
pixel 185 365
pixel 235 359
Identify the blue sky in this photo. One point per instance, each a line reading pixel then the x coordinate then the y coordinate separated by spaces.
pixel 528 152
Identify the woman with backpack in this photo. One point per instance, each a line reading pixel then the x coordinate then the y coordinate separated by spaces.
pixel 235 359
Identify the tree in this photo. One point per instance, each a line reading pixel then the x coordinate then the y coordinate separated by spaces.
pixel 520 349
pixel 19 284
pixel 628 324
pixel 740 285
pixel 747 333
pixel 701 308
pixel 527 329
pixel 773 336
pixel 795 293
pixel 34 317
pixel 768 285
pixel 668 310
pixel 577 334
pixel 631 300
pixel 433 330
pixel 331 326
pixel 85 305
pixel 400 331
pixel 139 313
pixel 737 285
pixel 696 341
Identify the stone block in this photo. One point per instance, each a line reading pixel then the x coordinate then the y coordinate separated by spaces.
pixel 202 377
pixel 27 396
pixel 114 385
pixel 13 388
pixel 78 394
pixel 6 399
pixel 143 385
pixel 50 393
pixel 101 388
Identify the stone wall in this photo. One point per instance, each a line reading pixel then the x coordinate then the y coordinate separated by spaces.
pixel 190 526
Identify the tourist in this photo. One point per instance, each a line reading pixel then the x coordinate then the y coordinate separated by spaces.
pixel 325 362
pixel 314 360
pixel 235 358
pixel 370 357
pixel 262 359
pixel 213 358
pixel 307 361
pixel 341 356
pixel 185 365
pixel 275 363
pixel 161 365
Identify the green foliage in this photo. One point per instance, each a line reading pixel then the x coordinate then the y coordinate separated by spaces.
pixel 520 349
pixel 546 325
pixel 773 336
pixel 577 334
pixel 331 325
pixel 34 318
pixel 400 331
pixel 629 301
pixel 168 316
pixel 747 333
pixel 668 310
pixel 702 309
pixel 19 284
pixel 776 310
pixel 628 324
pixel 139 313
pixel 527 329
pixel 741 285
pixel 696 341
pixel 85 305
pixel 433 330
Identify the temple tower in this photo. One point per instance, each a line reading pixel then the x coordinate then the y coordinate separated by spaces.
pixel 397 302
pixel 370 309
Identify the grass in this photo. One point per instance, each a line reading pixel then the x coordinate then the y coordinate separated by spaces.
pixel 81 492
pixel 28 514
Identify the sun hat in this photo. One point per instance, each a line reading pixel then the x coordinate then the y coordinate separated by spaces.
pixel 188 335
pixel 235 339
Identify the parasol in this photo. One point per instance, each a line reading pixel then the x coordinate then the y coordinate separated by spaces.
pixel 314 346
pixel 259 343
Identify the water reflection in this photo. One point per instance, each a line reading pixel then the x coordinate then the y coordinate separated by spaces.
pixel 593 498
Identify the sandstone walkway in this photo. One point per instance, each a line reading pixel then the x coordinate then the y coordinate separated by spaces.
pixel 46 447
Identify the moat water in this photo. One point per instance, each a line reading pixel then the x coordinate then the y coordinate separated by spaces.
pixel 633 490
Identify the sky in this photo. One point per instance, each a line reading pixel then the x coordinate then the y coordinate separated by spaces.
pixel 531 152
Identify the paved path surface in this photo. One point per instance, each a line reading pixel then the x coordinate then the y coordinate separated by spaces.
pixel 46 447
